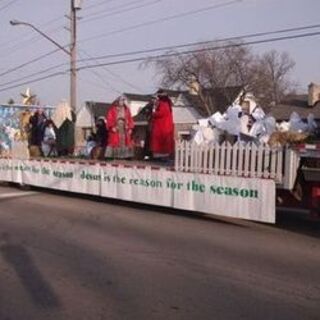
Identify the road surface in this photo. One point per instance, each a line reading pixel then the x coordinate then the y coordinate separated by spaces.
pixel 64 257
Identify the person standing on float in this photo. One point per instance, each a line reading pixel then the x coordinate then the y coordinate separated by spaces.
pixel 162 128
pixel 37 122
pixel 120 125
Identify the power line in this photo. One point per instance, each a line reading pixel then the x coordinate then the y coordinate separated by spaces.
pixel 124 80
pixel 28 32
pixel 103 79
pixel 114 74
pixel 31 41
pixel 251 35
pixel 162 48
pixel 29 62
pixel 99 85
pixel 168 47
pixel 33 74
pixel 23 44
pixel 118 62
pixel 52 75
pixel 112 8
pixel 98 4
pixel 115 12
pixel 163 19
pixel 8 5
pixel 167 55
pixel 152 22
pixel 60 65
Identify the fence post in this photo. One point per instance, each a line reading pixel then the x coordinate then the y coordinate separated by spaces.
pixel 222 158
pixel 211 162
pixel 246 160
pixel 205 159
pixel 253 162
pixel 216 158
pixel 188 157
pixel 177 158
pixel 228 160
pixel 235 154
pixel 279 176
pixel 273 164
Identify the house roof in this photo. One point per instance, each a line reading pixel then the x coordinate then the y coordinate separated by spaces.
pixel 223 97
pixel 138 97
pixel 294 103
pixel 98 109
pixel 217 98
pixel 185 115
pixel 148 97
pixel 143 114
pixel 174 93
pixel 180 115
pixel 220 97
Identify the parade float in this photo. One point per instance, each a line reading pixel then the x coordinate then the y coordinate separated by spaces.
pixel 15 125
pixel 241 179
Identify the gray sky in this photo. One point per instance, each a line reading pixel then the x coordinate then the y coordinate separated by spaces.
pixel 99 33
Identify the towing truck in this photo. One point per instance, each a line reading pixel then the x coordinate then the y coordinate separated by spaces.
pixel 304 171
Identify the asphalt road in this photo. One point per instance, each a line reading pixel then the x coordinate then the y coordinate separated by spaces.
pixel 65 257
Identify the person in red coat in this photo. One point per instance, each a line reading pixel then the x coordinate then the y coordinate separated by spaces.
pixel 162 127
pixel 120 125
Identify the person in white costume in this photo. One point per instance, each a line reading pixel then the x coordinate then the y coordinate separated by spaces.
pixel 48 145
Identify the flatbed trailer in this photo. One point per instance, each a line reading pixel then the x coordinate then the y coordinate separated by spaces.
pixel 238 181
pixel 295 169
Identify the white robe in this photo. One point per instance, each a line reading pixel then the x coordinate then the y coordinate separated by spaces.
pixel 48 137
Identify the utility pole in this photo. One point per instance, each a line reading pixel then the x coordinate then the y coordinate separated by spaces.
pixel 73 55
pixel 72 52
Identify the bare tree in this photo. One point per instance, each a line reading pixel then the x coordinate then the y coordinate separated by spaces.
pixel 209 68
pixel 234 64
pixel 271 76
pixel 215 68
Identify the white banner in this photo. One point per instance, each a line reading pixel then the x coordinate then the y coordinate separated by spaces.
pixel 246 198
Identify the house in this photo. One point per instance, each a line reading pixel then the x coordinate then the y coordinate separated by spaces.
pixel 219 99
pixel 92 110
pixel 303 104
pixel 188 106
pixel 137 101
pixel 87 117
pixel 184 115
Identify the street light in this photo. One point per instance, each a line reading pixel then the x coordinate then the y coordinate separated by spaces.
pixel 72 53
pixel 22 23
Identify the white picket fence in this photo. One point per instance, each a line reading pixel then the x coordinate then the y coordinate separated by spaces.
pixel 235 160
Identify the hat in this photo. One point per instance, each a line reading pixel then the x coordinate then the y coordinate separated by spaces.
pixel 122 98
pixel 161 93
